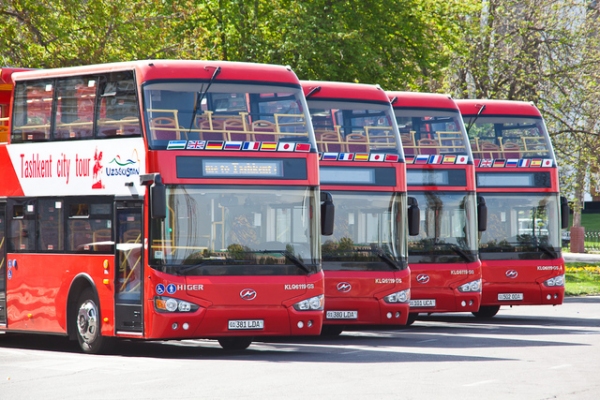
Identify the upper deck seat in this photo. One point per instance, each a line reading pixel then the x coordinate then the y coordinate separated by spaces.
pixel 164 128
pixel 260 126
pixel 428 146
pixel 357 143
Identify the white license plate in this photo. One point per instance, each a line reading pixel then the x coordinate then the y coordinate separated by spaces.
pixel 235 324
pixel 422 303
pixel 341 315
pixel 510 296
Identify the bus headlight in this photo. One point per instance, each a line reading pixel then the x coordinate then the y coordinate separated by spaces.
pixel 169 304
pixel 473 286
pixel 399 297
pixel 556 281
pixel 316 303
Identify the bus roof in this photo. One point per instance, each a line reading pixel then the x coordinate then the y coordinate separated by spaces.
pixel 177 69
pixel 422 100
pixel 343 91
pixel 498 107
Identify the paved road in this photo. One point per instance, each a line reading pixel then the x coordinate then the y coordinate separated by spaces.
pixel 522 353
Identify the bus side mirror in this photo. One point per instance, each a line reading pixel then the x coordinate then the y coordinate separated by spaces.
pixel 482 214
pixel 158 195
pixel 414 216
pixel 564 213
pixel 327 214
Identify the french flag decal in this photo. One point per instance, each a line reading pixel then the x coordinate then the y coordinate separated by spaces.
pixel 251 146
pixel 346 156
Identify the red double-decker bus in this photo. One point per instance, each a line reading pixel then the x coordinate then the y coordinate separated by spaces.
pixel 367 279
pixel 446 271
pixel 161 200
pixel 517 173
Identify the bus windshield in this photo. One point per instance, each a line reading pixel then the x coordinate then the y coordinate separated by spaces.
pixel 367 232
pixel 445 234
pixel 433 128
pixel 353 127
pixel 521 223
pixel 237 231
pixel 186 110
pixel 508 137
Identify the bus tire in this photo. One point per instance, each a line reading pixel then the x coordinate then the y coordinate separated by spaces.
pixel 486 311
pixel 235 343
pixel 88 324
pixel 332 330
pixel 412 317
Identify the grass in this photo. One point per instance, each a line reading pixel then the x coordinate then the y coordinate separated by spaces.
pixel 582 279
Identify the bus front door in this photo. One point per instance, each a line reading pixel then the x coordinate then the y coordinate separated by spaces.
pixel 128 280
pixel 3 266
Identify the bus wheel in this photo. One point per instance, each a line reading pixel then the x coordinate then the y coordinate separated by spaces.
pixel 235 343
pixel 412 317
pixel 486 311
pixel 332 330
pixel 88 323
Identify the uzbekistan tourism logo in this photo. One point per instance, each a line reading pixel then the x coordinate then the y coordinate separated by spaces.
pixel 124 167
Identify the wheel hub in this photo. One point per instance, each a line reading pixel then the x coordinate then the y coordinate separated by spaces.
pixel 87 321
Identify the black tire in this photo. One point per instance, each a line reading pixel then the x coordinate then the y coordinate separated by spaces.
pixel 332 330
pixel 88 324
pixel 486 311
pixel 412 317
pixel 235 343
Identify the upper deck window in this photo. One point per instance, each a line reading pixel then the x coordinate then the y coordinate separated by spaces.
pixel 233 112
pixel 509 137
pixel 353 127
pixel 431 132
pixel 77 107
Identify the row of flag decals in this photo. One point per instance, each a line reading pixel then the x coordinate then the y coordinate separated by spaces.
pixel 359 157
pixel 248 146
pixel 514 163
pixel 437 159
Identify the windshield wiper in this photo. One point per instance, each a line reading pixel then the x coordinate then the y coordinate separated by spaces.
pixel 547 249
pixel 189 268
pixel 388 260
pixel 290 256
pixel 200 96
pixel 464 255
pixel 472 120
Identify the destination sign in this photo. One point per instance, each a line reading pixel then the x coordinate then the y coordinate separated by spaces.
pixel 514 179
pixel 240 167
pixel 436 177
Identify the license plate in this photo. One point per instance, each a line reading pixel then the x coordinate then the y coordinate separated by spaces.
pixel 422 303
pixel 341 315
pixel 236 324
pixel 510 296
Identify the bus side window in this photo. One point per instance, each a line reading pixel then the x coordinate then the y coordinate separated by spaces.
pixel 50 224
pixel 79 233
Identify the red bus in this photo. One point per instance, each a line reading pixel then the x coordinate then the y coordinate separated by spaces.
pixel 5 93
pixel 446 271
pixel 517 173
pixel 367 279
pixel 161 200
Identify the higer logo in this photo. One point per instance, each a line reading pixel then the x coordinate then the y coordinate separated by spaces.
pixel 344 287
pixel 423 278
pixel 511 273
pixel 248 294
